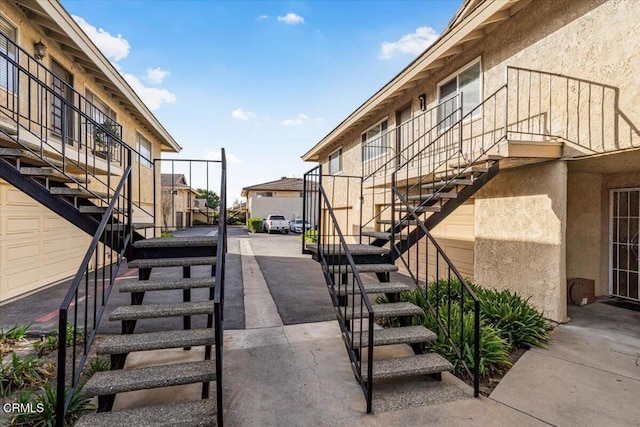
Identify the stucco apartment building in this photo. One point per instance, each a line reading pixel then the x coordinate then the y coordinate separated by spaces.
pixel 61 96
pixel 178 202
pixel 283 196
pixel 544 95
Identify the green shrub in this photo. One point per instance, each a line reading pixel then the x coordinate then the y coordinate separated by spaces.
pixel 255 224
pixel 517 321
pixel 47 345
pixel 45 402
pixel 310 236
pixel 166 234
pixel 98 365
pixel 17 332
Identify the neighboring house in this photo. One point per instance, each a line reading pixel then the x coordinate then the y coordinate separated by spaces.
pixel 283 196
pixel 178 203
pixel 202 214
pixel 548 90
pixel 62 96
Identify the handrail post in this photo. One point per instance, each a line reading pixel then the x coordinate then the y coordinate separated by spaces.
pixel 319 206
pixel 129 196
pixel 62 363
pixel 476 349
pixel 506 102
pixel 304 210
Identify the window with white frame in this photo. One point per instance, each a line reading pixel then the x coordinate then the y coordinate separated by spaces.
pixel 374 141
pixel 144 148
pixel 465 84
pixel 335 162
pixel 7 69
pixel 97 109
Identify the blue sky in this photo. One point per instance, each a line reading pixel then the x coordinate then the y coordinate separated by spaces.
pixel 265 80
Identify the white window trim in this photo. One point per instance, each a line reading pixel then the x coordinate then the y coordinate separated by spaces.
pixel 610 239
pixel 441 83
pixel 17 42
pixel 367 130
pixel 95 95
pixel 143 162
pixel 339 149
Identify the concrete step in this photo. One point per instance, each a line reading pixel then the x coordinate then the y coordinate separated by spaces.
pixel 383 235
pixel 52 174
pixel 114 344
pixel 135 225
pixel 78 192
pixel 419 209
pixel 199 413
pixel 389 222
pixel 392 309
pixel 410 366
pixel 482 160
pixel 152 311
pixel 356 249
pixel 88 209
pixel 363 268
pixel 26 156
pixel 176 242
pixel 122 380
pixel 461 172
pixel 167 284
pixel 391 336
pixel 172 262
pixel 374 288
pixel 439 196
pixel 450 183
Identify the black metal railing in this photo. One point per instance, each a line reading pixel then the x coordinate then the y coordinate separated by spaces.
pixel 404 144
pixel 353 307
pixel 583 114
pixel 187 194
pixel 218 294
pixel 84 304
pixel 43 114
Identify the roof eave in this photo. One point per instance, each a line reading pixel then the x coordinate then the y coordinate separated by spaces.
pixel 433 57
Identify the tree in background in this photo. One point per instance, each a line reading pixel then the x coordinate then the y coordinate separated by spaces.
pixel 213 200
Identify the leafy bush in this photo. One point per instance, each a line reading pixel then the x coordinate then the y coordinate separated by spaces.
pixel 166 234
pixel 47 345
pixel 16 332
pixel 45 401
pixel 310 236
pixel 255 224
pixel 517 321
pixel 18 373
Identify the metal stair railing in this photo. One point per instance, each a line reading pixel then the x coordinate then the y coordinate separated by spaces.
pixel 355 314
pixel 401 146
pixel 218 293
pixel 29 101
pixel 90 288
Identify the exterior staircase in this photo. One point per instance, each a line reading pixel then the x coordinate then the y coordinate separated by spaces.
pixel 159 254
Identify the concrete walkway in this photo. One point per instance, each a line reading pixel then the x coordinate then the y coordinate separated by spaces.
pixel 588 376
pixel 283 371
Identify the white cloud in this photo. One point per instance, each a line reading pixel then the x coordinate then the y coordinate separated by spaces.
pixel 153 97
pixel 113 47
pixel 414 43
pixel 240 114
pixel 156 75
pixel 291 19
pixel 216 155
pixel 262 17
pixel 297 121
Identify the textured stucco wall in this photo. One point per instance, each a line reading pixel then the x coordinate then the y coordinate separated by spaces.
pixel 520 229
pixel 584 231
pixel 290 207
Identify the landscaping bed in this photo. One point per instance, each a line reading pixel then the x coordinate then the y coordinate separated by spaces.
pixel 509 325
pixel 28 376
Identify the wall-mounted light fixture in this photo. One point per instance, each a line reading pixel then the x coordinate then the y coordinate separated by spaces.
pixel 423 101
pixel 40 49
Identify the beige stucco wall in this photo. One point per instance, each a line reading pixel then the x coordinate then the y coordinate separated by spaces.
pixel 585 213
pixel 261 207
pixel 28 260
pixel 520 227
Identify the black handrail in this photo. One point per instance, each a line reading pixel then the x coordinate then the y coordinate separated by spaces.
pixel 115 236
pixel 337 266
pixel 218 297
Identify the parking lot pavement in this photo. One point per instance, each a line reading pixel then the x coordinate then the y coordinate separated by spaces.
pixel 295 281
